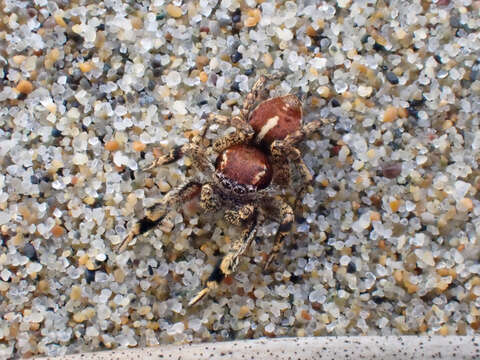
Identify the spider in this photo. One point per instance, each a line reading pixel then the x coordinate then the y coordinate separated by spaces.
pixel 250 161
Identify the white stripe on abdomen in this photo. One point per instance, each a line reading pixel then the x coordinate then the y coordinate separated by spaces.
pixel 269 125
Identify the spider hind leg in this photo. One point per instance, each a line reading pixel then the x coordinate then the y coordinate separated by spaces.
pixel 247 216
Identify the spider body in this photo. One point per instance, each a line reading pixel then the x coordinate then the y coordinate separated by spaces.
pixel 258 154
pixel 245 165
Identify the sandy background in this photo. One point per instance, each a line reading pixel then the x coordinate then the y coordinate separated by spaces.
pixel 91 92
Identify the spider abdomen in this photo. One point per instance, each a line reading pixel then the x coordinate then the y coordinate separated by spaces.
pixel 275 118
pixel 245 165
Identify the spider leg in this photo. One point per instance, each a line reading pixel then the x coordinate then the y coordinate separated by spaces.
pixel 281 149
pixel 237 122
pixel 285 214
pixel 193 150
pixel 243 133
pixel 307 179
pixel 239 216
pixel 172 156
pixel 209 200
pixel 235 138
pixel 257 92
pixel 253 96
pixel 213 118
pixel 299 135
pixel 160 212
pixel 246 216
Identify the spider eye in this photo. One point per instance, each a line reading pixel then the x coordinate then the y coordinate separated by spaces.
pixel 227 185
pixel 239 190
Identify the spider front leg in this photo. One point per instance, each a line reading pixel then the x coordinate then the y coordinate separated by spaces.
pixel 162 211
pixel 246 216
pixel 284 213
pixel 281 172
pixel 196 152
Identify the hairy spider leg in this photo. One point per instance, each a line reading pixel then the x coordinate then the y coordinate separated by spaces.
pixel 192 149
pixel 160 212
pixel 257 93
pixel 281 149
pixel 284 213
pixel 246 215
pixel 243 133
pixel 176 197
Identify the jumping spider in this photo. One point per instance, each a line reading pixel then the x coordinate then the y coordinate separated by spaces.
pixel 250 160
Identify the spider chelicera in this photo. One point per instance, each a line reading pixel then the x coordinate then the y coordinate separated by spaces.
pixel 250 161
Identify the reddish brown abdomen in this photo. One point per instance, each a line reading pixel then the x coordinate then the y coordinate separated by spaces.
pixel 275 118
pixel 245 165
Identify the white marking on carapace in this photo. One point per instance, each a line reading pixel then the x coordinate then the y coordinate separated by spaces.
pixel 224 161
pixel 269 125
pixel 259 175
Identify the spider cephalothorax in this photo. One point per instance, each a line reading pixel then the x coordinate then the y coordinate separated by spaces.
pixel 249 160
pixel 245 165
